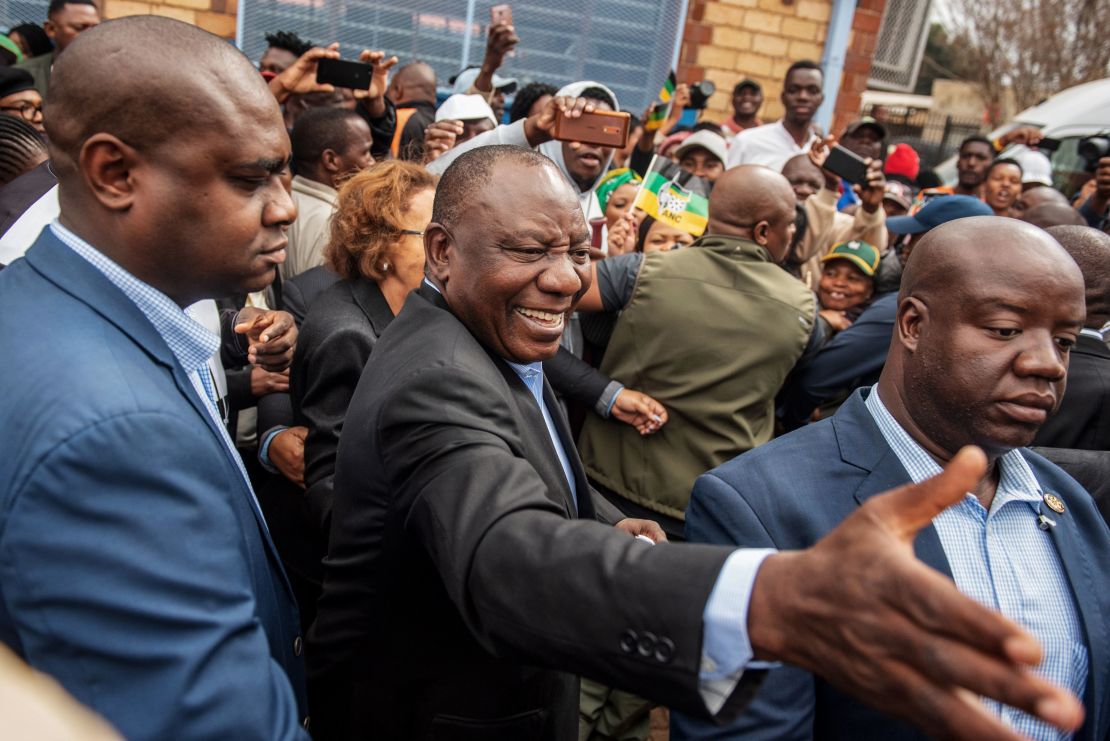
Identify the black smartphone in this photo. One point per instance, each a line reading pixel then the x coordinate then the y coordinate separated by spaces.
pixel 341 73
pixel 1048 144
pixel 847 165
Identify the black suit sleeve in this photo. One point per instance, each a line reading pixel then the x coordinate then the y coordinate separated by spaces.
pixel 528 583
pixel 574 378
pixel 330 369
pixel 292 300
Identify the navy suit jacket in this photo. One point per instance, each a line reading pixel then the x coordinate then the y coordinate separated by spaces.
pixel 135 566
pixel 791 492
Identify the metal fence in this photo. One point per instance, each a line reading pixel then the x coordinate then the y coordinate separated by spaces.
pixel 629 45
pixel 935 136
pixel 900 45
pixel 14 12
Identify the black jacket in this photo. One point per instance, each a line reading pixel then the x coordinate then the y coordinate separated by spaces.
pixel 463 593
pixel 1083 419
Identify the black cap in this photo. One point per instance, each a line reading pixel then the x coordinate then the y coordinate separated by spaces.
pixel 15 80
pixel 747 82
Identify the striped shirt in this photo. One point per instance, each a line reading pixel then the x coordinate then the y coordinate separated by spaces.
pixel 1002 559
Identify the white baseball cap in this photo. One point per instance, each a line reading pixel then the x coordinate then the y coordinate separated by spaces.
pixel 465 108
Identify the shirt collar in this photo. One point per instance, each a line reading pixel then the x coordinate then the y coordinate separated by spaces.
pixel 191 342
pixel 1097 334
pixel 1016 481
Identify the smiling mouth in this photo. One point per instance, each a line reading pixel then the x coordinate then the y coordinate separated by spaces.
pixel 546 320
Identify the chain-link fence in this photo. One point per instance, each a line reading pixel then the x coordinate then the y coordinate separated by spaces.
pixel 900 46
pixel 628 45
pixel 15 12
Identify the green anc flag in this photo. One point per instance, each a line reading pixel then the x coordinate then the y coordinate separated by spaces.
pixel 670 195
pixel 659 112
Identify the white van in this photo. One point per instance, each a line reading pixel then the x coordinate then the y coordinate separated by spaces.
pixel 1070 116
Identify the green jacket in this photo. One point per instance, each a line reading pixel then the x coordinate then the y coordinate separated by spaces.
pixel 39 67
pixel 711 332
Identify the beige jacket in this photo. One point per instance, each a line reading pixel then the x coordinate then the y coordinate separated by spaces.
pixel 826 227
pixel 309 234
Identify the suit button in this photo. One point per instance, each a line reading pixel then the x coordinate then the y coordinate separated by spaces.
pixel 298 646
pixel 646 644
pixel 664 650
pixel 628 641
pixel 305 722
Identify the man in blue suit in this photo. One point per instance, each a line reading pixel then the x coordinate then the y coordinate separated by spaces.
pixel 135 565
pixel 987 313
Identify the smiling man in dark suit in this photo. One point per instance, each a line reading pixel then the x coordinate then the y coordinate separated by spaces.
pixel 988 311
pixel 472 573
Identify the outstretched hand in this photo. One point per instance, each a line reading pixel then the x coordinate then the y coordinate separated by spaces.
pixel 861 611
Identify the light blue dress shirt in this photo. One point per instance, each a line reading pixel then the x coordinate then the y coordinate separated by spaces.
pixel 1002 559
pixel 191 343
pixel 532 375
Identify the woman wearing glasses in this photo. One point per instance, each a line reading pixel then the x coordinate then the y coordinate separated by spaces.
pixel 18 97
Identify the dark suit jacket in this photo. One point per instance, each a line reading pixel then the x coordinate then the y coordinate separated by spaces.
pixel 18 195
pixel 334 344
pixel 851 359
pixel 459 573
pixel 1083 419
pixel 135 567
pixel 1091 468
pixel 791 492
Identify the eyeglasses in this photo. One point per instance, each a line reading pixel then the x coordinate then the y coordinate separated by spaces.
pixel 413 232
pixel 27 110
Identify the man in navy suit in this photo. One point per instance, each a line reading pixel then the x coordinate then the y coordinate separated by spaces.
pixel 988 311
pixel 135 565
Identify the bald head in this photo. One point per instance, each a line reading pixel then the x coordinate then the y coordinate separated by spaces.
pixel 150 82
pixel 988 311
pixel 753 201
pixel 416 81
pixel 1051 214
pixel 804 177
pixel 969 250
pixel 1090 248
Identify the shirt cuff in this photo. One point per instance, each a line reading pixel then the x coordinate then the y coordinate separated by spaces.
pixel 726 648
pixel 264 448
pixel 608 398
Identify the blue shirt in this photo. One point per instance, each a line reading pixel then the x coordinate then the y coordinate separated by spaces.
pixel 1002 559
pixel 191 343
pixel 532 375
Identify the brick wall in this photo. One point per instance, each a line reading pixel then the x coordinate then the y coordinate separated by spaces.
pixel 857 61
pixel 728 40
pixel 216 16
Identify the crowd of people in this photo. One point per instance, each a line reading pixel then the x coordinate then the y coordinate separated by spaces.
pixel 380 416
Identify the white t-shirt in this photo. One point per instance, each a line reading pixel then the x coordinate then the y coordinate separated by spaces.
pixel 770 145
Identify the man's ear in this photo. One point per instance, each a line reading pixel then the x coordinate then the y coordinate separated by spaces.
pixel 439 248
pixel 912 314
pixel 50 29
pixel 330 160
pixel 760 232
pixel 108 166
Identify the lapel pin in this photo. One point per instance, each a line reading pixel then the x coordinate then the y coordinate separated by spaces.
pixel 1055 503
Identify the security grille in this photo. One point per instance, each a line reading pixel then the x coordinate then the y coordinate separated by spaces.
pixel 901 43
pixel 629 45
pixel 15 12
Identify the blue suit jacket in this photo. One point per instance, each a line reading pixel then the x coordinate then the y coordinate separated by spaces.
pixel 134 565
pixel 789 493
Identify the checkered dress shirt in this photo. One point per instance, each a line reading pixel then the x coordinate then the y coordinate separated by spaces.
pixel 191 343
pixel 1002 559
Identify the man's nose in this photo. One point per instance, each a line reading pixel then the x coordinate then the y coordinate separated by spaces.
pixel 1041 357
pixel 560 277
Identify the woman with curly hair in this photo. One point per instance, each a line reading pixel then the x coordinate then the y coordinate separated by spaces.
pixel 377 248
